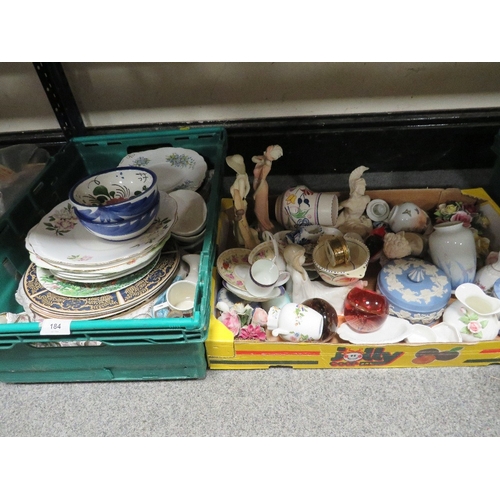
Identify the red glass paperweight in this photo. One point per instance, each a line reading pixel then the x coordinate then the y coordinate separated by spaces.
pixel 364 310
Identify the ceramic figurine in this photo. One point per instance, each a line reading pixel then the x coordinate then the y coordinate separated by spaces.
pixel 396 246
pixel 261 170
pixel 239 191
pixel 355 206
pixel 302 288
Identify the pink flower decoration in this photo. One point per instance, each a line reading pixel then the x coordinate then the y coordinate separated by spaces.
pixel 462 217
pixel 259 317
pixel 474 327
pixel 252 332
pixel 231 321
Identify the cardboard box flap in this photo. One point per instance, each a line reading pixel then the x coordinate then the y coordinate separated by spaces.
pixel 426 199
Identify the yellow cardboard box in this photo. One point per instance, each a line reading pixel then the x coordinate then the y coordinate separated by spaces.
pixel 224 352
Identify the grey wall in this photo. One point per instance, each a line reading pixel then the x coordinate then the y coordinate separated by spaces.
pixel 138 93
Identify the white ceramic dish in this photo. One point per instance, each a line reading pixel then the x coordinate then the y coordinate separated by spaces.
pixel 191 213
pixel 59 238
pixel 243 294
pixel 175 168
pixel 393 330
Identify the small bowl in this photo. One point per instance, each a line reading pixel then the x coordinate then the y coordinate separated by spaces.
pixel 190 239
pixel 114 195
pixel 344 274
pixel 125 230
pixel 191 212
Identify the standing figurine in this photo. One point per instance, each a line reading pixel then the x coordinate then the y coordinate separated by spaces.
pixel 239 191
pixel 260 186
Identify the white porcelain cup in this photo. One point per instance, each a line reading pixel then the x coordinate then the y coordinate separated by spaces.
pixel 295 323
pixel 262 277
pixel 180 296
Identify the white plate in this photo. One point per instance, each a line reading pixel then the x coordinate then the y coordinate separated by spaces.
pixel 74 289
pixel 175 168
pixel 60 239
pixel 85 277
pixel 393 330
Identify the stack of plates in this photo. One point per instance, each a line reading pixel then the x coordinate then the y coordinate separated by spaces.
pixel 75 274
pixel 50 298
pixel 60 244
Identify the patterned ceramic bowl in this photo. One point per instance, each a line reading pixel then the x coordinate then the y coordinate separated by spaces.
pixel 115 195
pixel 125 230
pixel 344 274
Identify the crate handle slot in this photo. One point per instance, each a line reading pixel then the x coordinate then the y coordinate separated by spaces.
pixel 147 147
pixel 11 269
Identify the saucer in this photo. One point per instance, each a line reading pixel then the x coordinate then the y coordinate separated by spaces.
pixel 394 330
pixel 243 294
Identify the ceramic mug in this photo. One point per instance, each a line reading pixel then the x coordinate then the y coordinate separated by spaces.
pixel 295 323
pixel 180 296
pixel 299 206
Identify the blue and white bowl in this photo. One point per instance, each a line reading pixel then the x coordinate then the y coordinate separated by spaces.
pixel 125 230
pixel 115 195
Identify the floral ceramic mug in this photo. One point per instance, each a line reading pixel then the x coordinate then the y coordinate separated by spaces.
pixel 295 323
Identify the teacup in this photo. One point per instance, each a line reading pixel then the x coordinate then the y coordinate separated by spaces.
pixel 262 277
pixel 295 323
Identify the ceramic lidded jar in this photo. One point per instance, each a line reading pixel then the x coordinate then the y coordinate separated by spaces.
pixel 408 217
pixel 453 249
pixel 416 290
pixel 299 206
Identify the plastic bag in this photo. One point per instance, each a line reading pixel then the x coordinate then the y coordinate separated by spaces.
pixel 19 165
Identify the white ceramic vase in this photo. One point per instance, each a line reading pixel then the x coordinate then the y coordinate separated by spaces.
pixel 452 248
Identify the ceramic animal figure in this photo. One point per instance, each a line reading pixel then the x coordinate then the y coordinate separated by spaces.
pixel 261 170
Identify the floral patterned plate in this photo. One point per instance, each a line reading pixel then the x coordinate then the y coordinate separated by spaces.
pixel 74 289
pixel 175 168
pixel 59 238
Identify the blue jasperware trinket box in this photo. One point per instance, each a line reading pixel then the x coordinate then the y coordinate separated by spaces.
pixel 416 290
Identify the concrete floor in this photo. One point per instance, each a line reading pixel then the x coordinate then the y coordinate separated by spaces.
pixel 275 402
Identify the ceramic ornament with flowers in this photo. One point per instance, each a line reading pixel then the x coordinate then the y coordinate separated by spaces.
pixel 471 217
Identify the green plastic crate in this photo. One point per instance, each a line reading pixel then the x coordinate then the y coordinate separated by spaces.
pixel 129 349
